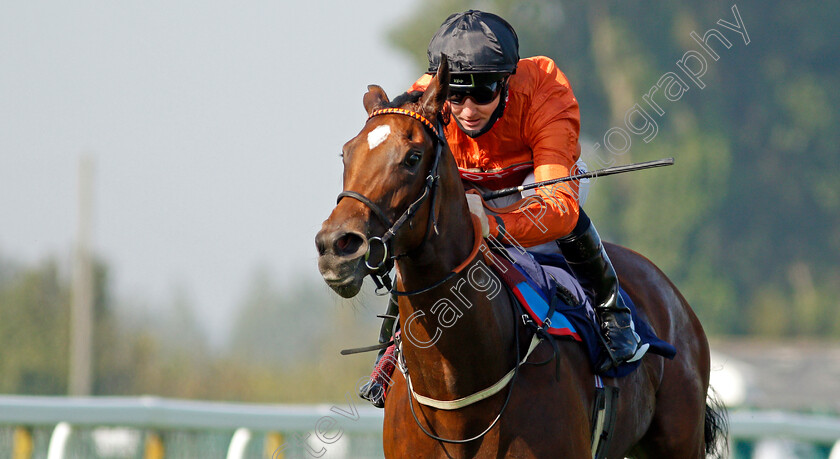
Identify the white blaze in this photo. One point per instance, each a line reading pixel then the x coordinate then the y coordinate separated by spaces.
pixel 378 135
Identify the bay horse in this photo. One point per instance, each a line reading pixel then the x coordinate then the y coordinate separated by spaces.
pixel 400 169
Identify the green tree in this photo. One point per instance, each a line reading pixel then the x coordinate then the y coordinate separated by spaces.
pixel 34 313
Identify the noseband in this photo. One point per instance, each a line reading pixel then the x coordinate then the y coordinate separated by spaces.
pixel 380 267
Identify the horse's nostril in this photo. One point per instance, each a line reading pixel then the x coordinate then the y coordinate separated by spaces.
pixel 342 243
pixel 348 244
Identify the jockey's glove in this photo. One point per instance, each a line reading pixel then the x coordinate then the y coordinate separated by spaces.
pixel 477 208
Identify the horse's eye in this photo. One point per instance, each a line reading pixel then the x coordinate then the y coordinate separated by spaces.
pixel 412 159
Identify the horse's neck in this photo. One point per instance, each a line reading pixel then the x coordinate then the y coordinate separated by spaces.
pixel 457 338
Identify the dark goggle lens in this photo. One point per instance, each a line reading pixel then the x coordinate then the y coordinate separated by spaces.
pixel 482 95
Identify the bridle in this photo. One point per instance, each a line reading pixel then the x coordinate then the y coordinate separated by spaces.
pixel 377 257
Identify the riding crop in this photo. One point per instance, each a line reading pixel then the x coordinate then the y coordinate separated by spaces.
pixel 599 173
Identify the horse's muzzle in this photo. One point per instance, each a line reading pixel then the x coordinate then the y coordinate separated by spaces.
pixel 340 259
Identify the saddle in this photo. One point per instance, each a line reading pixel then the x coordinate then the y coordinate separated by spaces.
pixel 538 279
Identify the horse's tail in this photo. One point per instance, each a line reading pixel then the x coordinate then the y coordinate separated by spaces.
pixel 716 426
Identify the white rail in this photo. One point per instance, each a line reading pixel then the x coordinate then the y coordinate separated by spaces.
pixel 763 424
pixel 63 414
pixel 171 414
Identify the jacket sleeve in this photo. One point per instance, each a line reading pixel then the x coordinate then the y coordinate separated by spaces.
pixel 421 84
pixel 551 127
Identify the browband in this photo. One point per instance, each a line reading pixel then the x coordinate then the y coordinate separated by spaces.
pixel 402 111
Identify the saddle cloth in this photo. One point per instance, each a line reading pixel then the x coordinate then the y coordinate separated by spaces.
pixel 534 276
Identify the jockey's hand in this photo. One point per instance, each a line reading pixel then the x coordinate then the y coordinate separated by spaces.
pixel 477 208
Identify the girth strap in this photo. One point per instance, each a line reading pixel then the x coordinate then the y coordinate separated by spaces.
pixel 604 412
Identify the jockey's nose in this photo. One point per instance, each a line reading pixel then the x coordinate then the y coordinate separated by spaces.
pixel 468 107
pixel 341 243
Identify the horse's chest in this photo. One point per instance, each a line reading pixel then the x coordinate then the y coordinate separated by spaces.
pixel 531 427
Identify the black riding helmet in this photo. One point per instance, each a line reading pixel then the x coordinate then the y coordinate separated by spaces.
pixel 481 48
pixel 475 42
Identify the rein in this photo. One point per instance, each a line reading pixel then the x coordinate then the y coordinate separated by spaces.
pixel 473 253
pixel 455 271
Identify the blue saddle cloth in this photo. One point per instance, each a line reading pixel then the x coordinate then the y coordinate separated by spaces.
pixel 534 276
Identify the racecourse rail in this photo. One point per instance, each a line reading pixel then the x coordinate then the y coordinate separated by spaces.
pixel 59 427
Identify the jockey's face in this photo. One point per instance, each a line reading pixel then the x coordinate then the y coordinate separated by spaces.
pixel 471 115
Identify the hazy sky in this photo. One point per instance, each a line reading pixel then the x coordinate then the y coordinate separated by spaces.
pixel 215 127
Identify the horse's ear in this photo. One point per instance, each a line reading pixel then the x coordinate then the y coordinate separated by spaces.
pixel 435 96
pixel 375 97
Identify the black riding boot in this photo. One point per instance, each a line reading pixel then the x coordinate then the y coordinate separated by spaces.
pixel 590 264
pixel 373 391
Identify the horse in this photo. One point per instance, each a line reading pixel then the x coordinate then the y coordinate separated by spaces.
pixel 400 169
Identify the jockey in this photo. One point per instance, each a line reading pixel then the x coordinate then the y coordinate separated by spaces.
pixel 517 120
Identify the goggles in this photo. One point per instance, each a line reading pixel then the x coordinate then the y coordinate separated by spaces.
pixel 462 87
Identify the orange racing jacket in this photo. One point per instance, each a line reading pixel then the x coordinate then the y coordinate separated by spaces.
pixel 537 132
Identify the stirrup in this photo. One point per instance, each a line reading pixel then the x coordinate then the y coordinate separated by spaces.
pixel 376 389
pixel 373 392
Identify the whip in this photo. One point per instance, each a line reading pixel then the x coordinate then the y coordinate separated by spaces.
pixel 599 173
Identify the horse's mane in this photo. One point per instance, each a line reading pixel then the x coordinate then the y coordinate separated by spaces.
pixel 410 97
